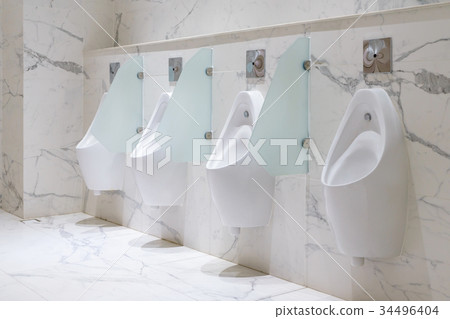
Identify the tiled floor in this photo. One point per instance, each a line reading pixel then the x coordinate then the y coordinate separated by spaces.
pixel 78 257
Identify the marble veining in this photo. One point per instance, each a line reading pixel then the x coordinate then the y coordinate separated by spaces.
pixel 419 90
pixel 65 258
pixel 12 199
pixel 408 53
pixel 40 59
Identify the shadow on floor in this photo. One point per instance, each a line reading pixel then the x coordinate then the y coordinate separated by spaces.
pixel 216 268
pixel 95 222
pixel 159 243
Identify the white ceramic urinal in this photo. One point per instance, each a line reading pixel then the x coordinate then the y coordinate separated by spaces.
pixel 366 179
pixel 241 202
pixel 102 169
pixel 159 185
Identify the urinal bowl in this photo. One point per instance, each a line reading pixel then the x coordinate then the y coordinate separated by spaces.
pixel 164 186
pixel 159 185
pixel 240 194
pixel 368 217
pixel 102 169
pixel 366 179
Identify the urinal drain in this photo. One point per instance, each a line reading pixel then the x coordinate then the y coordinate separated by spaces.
pixel 367 116
pixel 246 114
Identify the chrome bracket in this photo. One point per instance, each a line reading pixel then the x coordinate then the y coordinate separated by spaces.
pixel 209 71
pixel 255 63
pixel 113 68
pixel 208 135
pixel 306 143
pixel 307 65
pixel 175 68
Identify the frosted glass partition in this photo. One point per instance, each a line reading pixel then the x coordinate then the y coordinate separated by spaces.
pixel 283 120
pixel 120 113
pixel 188 115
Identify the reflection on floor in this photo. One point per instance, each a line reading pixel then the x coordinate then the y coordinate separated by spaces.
pixel 78 257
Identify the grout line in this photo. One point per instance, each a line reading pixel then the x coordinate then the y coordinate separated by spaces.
pixel 283 293
pixel 23 284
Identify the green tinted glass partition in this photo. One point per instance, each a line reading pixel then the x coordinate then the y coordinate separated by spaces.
pixel 283 120
pixel 188 115
pixel 120 113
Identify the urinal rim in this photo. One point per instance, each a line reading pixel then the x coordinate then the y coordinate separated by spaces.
pixel 155 111
pixel 235 105
pixel 81 144
pixel 342 125
pixel 166 96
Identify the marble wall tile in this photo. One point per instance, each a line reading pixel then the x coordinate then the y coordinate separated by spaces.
pixel 53 120
pixel 419 89
pixel 171 19
pixel 12 112
pixel 1 97
pixel 99 24
pixel 198 212
pixel 197 224
pixel 52 182
pixel 54 37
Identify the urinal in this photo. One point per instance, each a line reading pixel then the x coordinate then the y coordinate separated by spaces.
pixel 101 168
pixel 159 185
pixel 238 188
pixel 366 179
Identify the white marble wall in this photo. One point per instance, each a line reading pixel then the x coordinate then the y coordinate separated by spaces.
pixel 1 97
pixel 53 45
pixel 419 88
pixel 139 21
pixel 196 224
pixel 43 88
pixel 12 111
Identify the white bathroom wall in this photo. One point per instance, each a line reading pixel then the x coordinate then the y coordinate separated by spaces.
pixel 53 46
pixel 419 88
pixel 43 105
pixel 139 21
pixel 197 224
pixel 1 101
pixel 12 111
pixel 55 35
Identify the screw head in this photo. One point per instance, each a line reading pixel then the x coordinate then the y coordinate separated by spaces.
pixel 208 135
pixel 307 65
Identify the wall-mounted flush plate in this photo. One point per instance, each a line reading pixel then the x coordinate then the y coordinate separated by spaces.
pixel 175 68
pixel 255 63
pixel 113 68
pixel 377 55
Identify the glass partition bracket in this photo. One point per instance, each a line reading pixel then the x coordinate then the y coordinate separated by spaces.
pixel 187 119
pixel 120 113
pixel 283 121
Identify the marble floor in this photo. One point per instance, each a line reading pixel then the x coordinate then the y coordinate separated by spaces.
pixel 79 257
